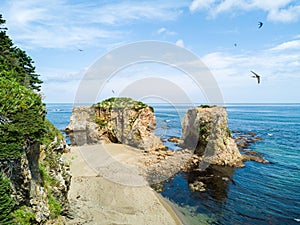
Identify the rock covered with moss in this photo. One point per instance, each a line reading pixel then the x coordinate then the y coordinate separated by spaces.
pixel 116 120
pixel 205 130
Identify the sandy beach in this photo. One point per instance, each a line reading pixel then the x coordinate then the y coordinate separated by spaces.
pixel 107 188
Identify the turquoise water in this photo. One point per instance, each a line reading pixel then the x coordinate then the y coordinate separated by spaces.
pixel 256 194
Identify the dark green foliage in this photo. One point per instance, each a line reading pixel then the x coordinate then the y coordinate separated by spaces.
pixel 101 122
pixel 15 63
pixel 18 98
pixel 206 106
pixel 6 202
pixel 120 103
pixel 21 103
pixel 26 111
pixel 228 131
pixel 203 130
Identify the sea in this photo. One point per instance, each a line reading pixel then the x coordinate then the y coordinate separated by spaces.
pixel 256 194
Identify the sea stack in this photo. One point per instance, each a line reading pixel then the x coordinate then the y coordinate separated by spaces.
pixel 205 130
pixel 115 120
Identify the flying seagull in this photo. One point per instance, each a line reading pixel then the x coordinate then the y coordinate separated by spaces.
pixel 256 76
pixel 260 24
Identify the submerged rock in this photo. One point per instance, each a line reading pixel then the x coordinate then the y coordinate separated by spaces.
pixel 205 130
pixel 175 140
pixel 197 186
pixel 243 141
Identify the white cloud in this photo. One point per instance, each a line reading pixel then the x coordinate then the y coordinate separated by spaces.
pixel 119 13
pixel 285 15
pixel 277 11
pixel 289 45
pixel 279 72
pixel 163 30
pixel 180 43
pixel 201 4
pixel 273 64
pixel 62 23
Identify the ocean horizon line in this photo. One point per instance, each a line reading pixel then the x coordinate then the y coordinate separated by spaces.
pixel 191 103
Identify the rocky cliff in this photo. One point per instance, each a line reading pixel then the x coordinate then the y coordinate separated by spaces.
pixel 117 120
pixel 39 181
pixel 34 181
pixel 30 159
pixel 82 128
pixel 205 130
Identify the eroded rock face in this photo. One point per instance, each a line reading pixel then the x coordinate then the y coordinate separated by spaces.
pixel 26 182
pixel 132 127
pixel 205 130
pixel 82 128
pixel 116 120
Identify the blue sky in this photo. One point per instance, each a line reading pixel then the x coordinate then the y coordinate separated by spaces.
pixel 223 34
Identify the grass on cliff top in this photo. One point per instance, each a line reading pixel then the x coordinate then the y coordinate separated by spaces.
pixel 121 103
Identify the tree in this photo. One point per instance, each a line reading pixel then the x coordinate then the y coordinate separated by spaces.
pixel 24 108
pixel 15 63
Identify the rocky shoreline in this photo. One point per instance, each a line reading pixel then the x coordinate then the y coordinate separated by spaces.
pixel 208 151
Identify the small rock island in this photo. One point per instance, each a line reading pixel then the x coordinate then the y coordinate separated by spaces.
pixel 205 130
pixel 115 120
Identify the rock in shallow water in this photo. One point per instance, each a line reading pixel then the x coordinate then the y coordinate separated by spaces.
pixel 205 130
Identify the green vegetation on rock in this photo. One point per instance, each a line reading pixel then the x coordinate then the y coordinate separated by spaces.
pixel 120 103
pixel 101 122
pixel 54 206
pixel 19 100
pixel 23 216
pixel 50 182
pixel 206 106
pixel 50 133
pixel 6 202
pixel 25 110
pixel 22 107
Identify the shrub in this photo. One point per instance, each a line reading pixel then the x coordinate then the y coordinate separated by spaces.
pixel 54 206
pixel 26 112
pixel 23 216
pixel 120 103
pixel 6 202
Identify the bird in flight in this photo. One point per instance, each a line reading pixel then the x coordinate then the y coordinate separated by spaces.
pixel 256 76
pixel 80 50
pixel 260 24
